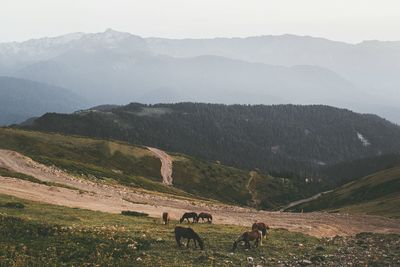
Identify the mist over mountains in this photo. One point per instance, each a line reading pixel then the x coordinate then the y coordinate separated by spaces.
pixel 22 99
pixel 117 68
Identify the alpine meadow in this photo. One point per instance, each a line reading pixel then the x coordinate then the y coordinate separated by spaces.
pixel 187 133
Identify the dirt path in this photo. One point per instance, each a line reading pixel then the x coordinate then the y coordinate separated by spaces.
pixel 305 200
pixel 166 164
pixel 114 199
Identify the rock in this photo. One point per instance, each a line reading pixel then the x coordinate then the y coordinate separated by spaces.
pixel 139 259
pixel 317 258
pixel 250 259
pixel 305 262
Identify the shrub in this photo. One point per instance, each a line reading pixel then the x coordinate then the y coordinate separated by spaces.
pixel 134 213
pixel 13 205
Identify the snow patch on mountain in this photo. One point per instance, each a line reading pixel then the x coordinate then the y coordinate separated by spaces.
pixel 363 140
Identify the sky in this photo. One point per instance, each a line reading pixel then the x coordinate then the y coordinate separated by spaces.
pixel 342 20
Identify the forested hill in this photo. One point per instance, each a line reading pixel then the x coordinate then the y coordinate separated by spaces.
pixel 279 138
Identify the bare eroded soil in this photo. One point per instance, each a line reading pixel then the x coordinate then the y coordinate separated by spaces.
pixel 115 198
pixel 166 164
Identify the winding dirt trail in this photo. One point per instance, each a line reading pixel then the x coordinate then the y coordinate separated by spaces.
pixel 166 164
pixel 115 198
pixel 305 200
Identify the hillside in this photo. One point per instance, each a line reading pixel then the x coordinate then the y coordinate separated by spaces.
pixel 375 194
pixel 44 234
pixel 138 167
pixel 281 139
pixel 22 99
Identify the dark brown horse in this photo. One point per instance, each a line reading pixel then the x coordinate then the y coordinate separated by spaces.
pixel 189 233
pixel 187 216
pixel 254 235
pixel 260 226
pixel 166 218
pixel 204 216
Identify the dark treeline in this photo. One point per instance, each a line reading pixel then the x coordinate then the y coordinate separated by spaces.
pixel 284 140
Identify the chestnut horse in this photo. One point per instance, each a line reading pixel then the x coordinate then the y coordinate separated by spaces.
pixel 254 235
pixel 166 218
pixel 187 216
pixel 203 216
pixel 189 233
pixel 261 227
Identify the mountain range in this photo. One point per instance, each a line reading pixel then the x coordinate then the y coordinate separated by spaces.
pixel 22 99
pixel 117 68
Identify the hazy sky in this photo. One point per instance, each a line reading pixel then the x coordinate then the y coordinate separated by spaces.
pixel 342 20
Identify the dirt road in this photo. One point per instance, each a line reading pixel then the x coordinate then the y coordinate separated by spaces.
pixel 166 164
pixel 114 199
pixel 305 200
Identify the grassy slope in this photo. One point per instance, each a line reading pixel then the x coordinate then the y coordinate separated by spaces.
pixel 136 166
pixel 42 234
pixel 377 194
pixel 94 159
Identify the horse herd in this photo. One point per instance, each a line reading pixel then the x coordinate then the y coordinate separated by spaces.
pixel 258 231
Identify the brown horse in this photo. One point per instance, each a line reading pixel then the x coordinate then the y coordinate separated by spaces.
pixel 203 216
pixel 189 233
pixel 166 218
pixel 260 226
pixel 187 216
pixel 254 235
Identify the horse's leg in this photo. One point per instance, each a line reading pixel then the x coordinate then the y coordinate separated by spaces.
pixel 187 244
pixel 194 240
pixel 247 244
pixel 178 240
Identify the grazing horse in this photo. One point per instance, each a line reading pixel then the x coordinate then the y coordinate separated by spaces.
pixel 254 235
pixel 189 233
pixel 204 215
pixel 260 226
pixel 166 218
pixel 187 216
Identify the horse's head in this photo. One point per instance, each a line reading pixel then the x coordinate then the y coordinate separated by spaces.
pixel 234 246
pixel 264 232
pixel 201 243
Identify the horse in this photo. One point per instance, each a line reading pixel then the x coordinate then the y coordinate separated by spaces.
pixel 204 215
pixel 254 235
pixel 166 218
pixel 187 216
pixel 189 233
pixel 261 227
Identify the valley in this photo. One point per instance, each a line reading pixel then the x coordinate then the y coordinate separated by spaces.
pixel 64 194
